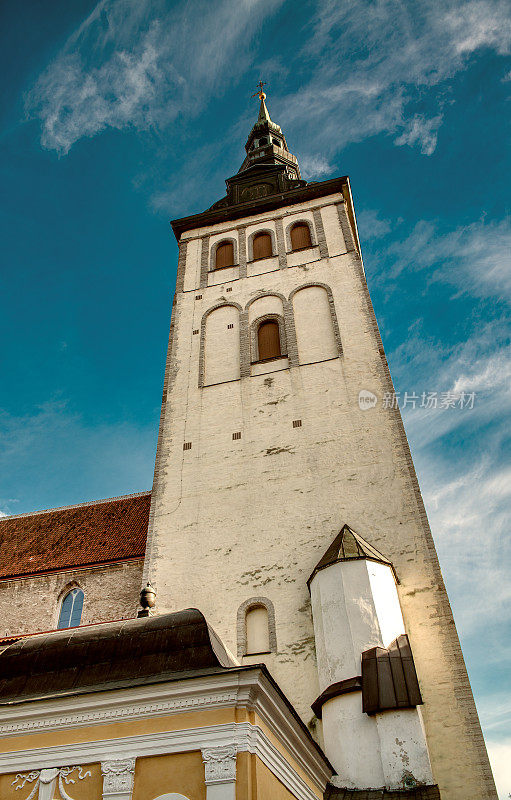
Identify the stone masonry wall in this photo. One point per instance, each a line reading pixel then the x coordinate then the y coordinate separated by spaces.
pixel 29 605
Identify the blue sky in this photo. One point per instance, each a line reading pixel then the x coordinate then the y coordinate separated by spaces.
pixel 120 115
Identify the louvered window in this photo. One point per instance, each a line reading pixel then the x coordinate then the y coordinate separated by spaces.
pixel 389 679
pixel 262 246
pixel 224 255
pixel 300 236
pixel 268 340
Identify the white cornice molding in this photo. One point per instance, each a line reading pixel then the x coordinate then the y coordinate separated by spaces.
pixel 243 736
pixel 250 689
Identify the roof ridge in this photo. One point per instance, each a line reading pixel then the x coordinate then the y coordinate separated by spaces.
pixel 76 505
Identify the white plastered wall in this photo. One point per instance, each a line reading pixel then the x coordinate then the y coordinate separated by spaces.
pixel 314 326
pixel 222 345
pixel 258 513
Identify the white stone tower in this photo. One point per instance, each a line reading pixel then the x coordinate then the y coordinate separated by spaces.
pixel 264 455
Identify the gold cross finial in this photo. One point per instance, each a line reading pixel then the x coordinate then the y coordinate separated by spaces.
pixel 260 92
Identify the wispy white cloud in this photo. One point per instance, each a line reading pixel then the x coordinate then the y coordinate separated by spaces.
pixel 474 258
pixel 371 225
pixel 314 166
pixel 377 63
pixel 422 132
pixel 371 68
pixel 51 452
pixel 482 365
pixel 500 758
pixel 141 64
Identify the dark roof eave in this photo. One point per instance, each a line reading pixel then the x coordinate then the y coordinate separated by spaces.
pixel 302 194
pixel 71 567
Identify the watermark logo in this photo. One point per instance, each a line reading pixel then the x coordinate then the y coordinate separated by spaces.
pixel 425 400
pixel 366 400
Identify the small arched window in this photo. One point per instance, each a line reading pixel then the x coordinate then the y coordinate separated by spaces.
pixel 257 630
pixel 71 609
pixel 268 340
pixel 262 246
pixel 300 236
pixel 224 255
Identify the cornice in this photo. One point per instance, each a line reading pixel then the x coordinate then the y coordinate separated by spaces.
pixel 250 688
pixel 300 195
pixel 243 736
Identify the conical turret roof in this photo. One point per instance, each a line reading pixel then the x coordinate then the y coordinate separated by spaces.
pixel 349 545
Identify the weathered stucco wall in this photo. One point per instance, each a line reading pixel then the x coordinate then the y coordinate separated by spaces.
pixel 232 519
pixel 28 605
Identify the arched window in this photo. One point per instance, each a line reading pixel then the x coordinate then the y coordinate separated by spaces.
pixel 257 630
pixel 300 236
pixel 71 609
pixel 268 340
pixel 224 255
pixel 262 246
pixel 171 796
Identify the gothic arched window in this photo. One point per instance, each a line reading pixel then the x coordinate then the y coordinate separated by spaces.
pixel 300 236
pixel 71 609
pixel 224 255
pixel 257 630
pixel 268 340
pixel 262 246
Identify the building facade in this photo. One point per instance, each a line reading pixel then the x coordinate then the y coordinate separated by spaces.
pixel 285 507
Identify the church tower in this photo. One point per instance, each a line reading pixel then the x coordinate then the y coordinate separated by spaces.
pixel 285 504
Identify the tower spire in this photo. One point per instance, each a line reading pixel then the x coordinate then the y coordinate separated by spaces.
pixel 269 168
pixel 263 111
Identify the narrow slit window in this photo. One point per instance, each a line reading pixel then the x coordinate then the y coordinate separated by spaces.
pixel 224 255
pixel 300 236
pixel 268 340
pixel 71 609
pixel 262 246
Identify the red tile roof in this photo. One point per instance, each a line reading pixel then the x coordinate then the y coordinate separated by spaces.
pixel 74 536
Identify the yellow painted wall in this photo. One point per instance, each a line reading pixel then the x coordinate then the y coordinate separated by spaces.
pixel 268 785
pixel 90 788
pixel 182 773
pixel 254 781
pixel 114 730
pixel 294 764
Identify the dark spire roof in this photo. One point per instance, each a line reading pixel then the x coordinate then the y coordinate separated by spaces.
pixel 269 168
pixel 349 545
pixel 267 144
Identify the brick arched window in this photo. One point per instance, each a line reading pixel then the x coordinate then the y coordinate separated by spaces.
pixel 300 236
pixel 268 340
pixel 262 246
pixel 256 627
pixel 224 255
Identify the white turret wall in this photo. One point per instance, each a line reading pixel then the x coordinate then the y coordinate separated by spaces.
pixel 355 607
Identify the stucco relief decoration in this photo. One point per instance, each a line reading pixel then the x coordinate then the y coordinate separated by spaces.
pixel 118 776
pixel 255 192
pixel 45 780
pixel 219 764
